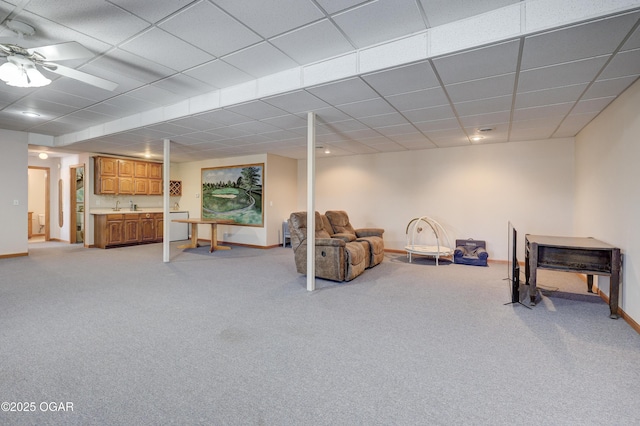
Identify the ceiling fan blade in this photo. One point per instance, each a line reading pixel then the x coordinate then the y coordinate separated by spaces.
pixel 80 76
pixel 62 51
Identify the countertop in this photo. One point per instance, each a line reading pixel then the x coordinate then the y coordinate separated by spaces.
pixel 139 210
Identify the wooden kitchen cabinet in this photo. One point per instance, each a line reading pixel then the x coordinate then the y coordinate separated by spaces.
pixel 131 228
pixel 112 230
pixel 113 176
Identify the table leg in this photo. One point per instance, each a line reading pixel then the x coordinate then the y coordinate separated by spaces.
pixel 194 238
pixel 214 240
pixel 533 273
pixel 589 283
pixel 614 282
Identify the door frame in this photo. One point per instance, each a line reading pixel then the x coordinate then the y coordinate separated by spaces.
pixel 73 219
pixel 47 199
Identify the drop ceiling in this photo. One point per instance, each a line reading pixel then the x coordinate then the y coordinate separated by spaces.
pixel 222 78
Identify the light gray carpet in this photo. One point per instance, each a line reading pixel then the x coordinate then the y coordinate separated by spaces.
pixel 234 338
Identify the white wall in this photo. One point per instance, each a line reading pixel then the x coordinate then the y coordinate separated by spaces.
pixel 37 196
pixel 13 174
pixel 472 191
pixel 607 178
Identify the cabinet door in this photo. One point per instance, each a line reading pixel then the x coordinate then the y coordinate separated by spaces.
pixel 125 186
pixel 148 229
pixel 140 186
pixel 140 170
pixel 106 185
pixel 155 187
pixel 131 234
pixel 114 232
pixel 155 171
pixel 125 168
pixel 159 223
pixel 107 166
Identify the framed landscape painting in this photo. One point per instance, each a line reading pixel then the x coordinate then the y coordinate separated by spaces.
pixel 234 192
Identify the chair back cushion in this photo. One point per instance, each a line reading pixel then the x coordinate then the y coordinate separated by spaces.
pixel 339 221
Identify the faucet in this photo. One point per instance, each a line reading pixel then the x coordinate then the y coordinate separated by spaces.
pixel 176 206
pixel 117 204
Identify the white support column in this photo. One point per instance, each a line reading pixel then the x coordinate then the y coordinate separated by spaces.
pixel 311 201
pixel 166 172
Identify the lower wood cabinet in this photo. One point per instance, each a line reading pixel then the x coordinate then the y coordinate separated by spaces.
pixel 111 230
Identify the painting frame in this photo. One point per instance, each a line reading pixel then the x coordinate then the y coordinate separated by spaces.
pixel 233 192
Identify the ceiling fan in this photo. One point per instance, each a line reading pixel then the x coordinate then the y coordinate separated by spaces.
pixel 21 68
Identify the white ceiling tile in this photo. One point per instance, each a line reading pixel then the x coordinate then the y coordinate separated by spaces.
pixel 56 96
pixel 435 125
pixel 158 10
pixel 443 112
pixel 384 120
pixel 314 42
pixel 550 96
pixel 577 72
pixel 390 18
pixel 485 88
pixel 99 19
pixel 592 105
pixel 333 6
pixel 547 111
pixel 611 87
pixel 156 95
pixel 367 108
pixel 223 33
pixel 296 102
pixel 624 64
pixel 166 49
pixel 576 42
pixel 478 63
pixel 632 42
pixel 257 110
pixel 483 120
pixel 269 18
pixel 289 121
pixel 344 126
pixel 440 12
pixel 260 60
pixel 223 117
pixel 343 92
pixel 403 79
pixel 219 74
pixel 532 133
pixel 420 99
pixel 183 85
pixel 501 103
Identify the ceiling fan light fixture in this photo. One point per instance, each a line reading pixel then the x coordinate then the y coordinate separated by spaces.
pixel 19 72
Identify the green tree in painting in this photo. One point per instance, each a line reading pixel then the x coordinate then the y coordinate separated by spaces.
pixel 250 178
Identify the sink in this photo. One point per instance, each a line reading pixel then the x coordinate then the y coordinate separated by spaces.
pixel 115 209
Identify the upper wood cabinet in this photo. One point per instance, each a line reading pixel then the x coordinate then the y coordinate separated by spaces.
pixel 155 171
pixel 140 170
pixel 125 168
pixel 115 176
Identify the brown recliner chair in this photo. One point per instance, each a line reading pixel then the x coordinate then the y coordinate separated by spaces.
pixel 335 259
pixel 342 228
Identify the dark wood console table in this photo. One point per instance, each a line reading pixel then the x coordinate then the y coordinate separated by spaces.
pixel 573 254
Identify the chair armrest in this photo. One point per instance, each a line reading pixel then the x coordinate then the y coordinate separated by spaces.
pixel 347 238
pixel 330 242
pixel 369 232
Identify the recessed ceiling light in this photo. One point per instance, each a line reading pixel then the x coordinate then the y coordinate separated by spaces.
pixel 43 155
pixel 31 114
pixel 476 138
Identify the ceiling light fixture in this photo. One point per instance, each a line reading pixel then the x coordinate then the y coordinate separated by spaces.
pixel 31 114
pixel 43 155
pixel 476 138
pixel 20 72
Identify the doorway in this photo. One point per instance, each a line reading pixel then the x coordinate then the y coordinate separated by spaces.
pixel 38 205
pixel 76 225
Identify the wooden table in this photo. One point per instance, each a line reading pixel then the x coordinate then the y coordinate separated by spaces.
pixel 214 232
pixel 571 254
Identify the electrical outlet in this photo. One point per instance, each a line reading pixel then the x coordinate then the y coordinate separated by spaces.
pixel 16 202
pixel 197 195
